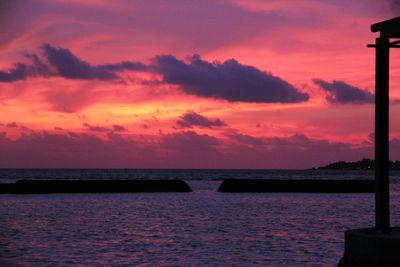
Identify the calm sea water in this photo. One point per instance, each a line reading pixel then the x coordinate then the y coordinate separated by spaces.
pixel 201 228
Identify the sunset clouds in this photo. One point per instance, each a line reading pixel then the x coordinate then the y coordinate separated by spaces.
pixel 207 84
pixel 71 67
pixel 192 119
pixel 180 150
pixel 229 80
pixel 63 63
pixel 343 93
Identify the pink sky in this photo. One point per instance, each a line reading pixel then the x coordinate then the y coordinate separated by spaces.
pixel 190 84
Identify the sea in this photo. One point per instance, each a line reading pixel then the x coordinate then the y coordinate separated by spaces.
pixel 200 228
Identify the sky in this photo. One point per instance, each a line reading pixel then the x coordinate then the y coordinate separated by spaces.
pixel 275 84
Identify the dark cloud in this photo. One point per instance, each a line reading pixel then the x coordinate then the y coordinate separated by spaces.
pixel 19 72
pixel 12 125
pixel 70 66
pixel 343 93
pixel 38 67
pixel 190 119
pixel 96 128
pixel 296 151
pixel 81 150
pixel 118 128
pixel 186 149
pixel 124 65
pixel 229 80
pixel 189 141
pixel 44 149
pixel 62 62
pixel 247 139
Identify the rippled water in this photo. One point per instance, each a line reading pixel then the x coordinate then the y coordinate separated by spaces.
pixel 187 229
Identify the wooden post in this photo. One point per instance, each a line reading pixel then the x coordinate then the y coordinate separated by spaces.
pixel 382 214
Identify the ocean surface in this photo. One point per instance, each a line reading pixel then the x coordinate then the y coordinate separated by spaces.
pixel 201 228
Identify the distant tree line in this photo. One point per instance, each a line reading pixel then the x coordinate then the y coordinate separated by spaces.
pixel 364 164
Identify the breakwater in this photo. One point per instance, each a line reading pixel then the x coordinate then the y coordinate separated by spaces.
pixel 305 185
pixel 93 186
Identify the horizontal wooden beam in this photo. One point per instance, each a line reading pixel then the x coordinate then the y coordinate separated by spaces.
pixel 388 28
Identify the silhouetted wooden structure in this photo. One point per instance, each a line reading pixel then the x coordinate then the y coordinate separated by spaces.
pixel 388 30
pixel 378 246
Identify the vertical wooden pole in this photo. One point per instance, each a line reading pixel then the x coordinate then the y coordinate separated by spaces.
pixel 382 214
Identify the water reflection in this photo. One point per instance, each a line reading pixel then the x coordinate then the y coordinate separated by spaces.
pixel 200 228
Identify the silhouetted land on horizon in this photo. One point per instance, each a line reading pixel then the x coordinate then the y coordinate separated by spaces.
pixel 364 164
pixel 93 186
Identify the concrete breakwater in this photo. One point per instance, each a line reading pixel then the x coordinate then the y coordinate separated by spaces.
pixel 306 186
pixel 228 185
pixel 93 186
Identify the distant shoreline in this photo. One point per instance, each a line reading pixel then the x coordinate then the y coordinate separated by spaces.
pixel 364 164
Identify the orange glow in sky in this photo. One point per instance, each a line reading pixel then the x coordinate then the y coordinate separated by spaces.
pixel 190 84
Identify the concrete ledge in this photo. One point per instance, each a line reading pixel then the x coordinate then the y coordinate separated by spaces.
pixel 93 186
pixel 306 186
pixel 369 247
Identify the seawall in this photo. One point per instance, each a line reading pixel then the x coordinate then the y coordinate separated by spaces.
pixel 305 186
pixel 93 186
